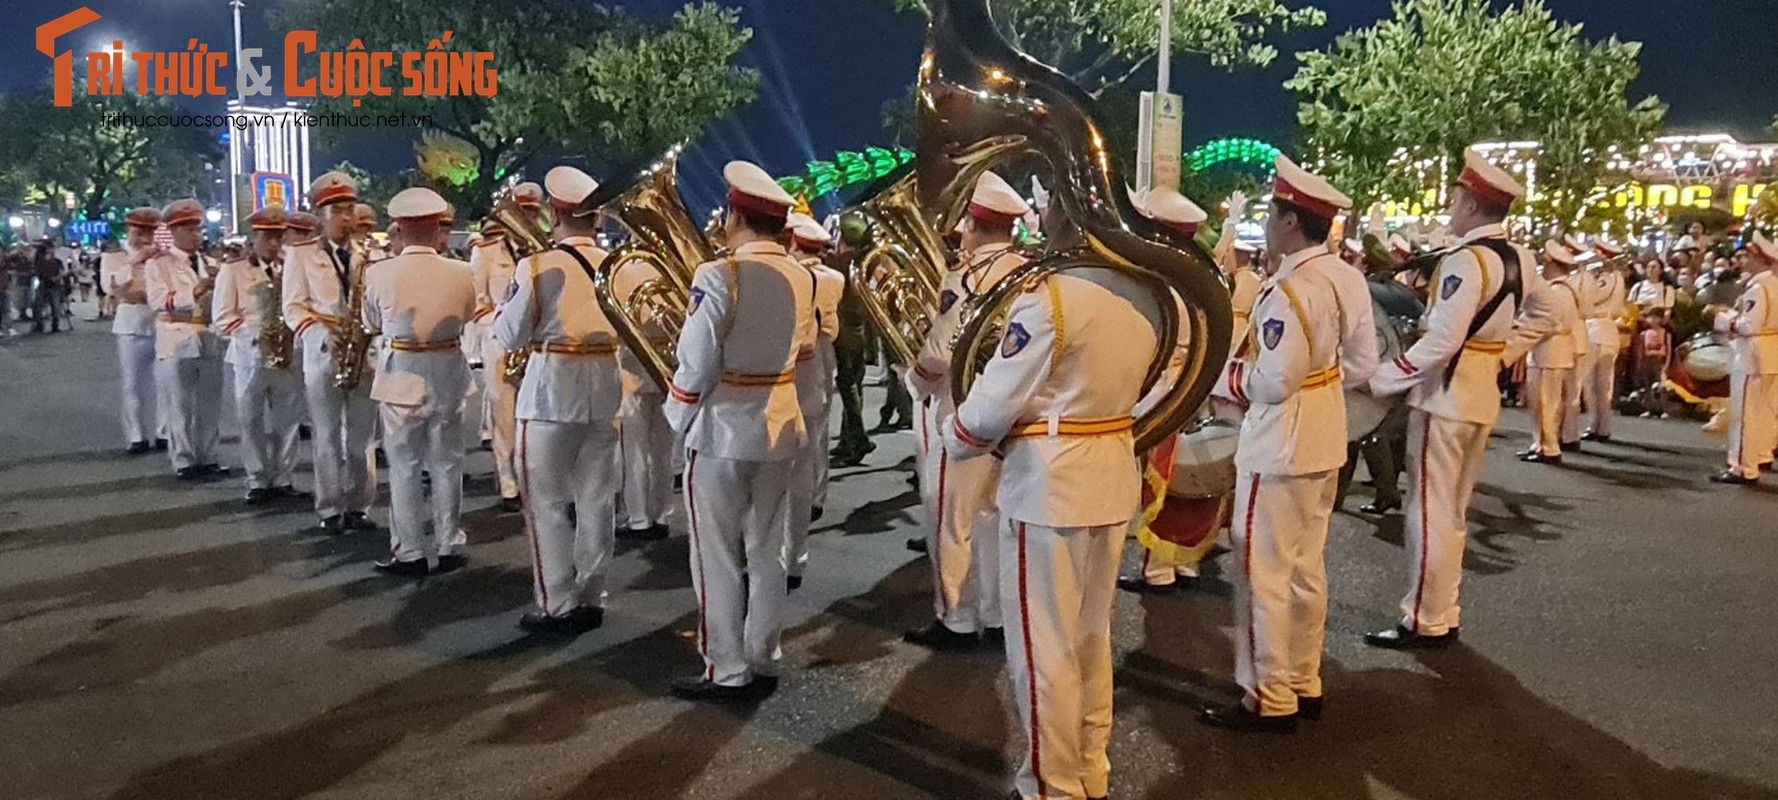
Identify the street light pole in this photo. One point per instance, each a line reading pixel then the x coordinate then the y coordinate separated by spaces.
pixel 1166 48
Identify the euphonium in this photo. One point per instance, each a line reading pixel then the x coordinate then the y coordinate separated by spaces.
pixel 975 92
pixel 664 235
pixel 529 236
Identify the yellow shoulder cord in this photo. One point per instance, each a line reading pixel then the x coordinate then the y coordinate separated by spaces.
pixel 1057 344
pixel 734 295
pixel 1487 293
pixel 1296 306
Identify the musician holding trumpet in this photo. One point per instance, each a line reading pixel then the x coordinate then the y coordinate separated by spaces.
pixel 268 393
pixel 188 358
pixel 121 273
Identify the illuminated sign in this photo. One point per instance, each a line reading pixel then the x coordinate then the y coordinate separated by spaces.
pixel 272 188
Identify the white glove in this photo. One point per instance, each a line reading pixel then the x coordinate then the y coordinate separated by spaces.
pixel 1238 205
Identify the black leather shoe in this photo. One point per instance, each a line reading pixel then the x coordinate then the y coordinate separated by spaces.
pixel 1571 447
pixel 289 493
pixel 406 569
pixel 1733 479
pixel 1379 507
pixel 917 544
pixel 488 445
pixel 700 689
pixel 186 473
pixel 258 497
pixel 1140 586
pixel 334 525
pixel 138 448
pixel 938 637
pixel 1590 436
pixel 792 583
pixel 510 505
pixel 212 470
pixel 1400 638
pixel 1238 718
pixel 648 534
pixel 451 563
pixel 993 639
pixel 815 512
pixel 1539 458
pixel 1309 707
pixel 574 623
pixel 679 483
pixel 359 521
pixel 160 445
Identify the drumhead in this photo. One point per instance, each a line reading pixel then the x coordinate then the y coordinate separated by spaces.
pixel 1204 461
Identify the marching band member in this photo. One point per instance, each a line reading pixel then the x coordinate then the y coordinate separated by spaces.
pixel 1056 400
pixel 959 495
pixel 1551 329
pixel 648 440
pixel 734 399
pixel 492 265
pixel 1288 372
pixel 121 272
pixel 1449 376
pixel 188 365
pixel 364 221
pixel 318 280
pixel 567 414
pixel 1605 297
pixel 268 395
pixel 1753 380
pixel 814 393
pixel 419 302
pixel 1585 357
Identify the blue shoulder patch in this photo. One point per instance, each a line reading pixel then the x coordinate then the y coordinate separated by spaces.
pixel 512 289
pixel 1016 339
pixel 697 298
pixel 1272 332
pixel 1450 286
pixel 946 299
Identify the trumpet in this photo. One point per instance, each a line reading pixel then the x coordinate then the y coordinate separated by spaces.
pixel 527 235
pixel 665 236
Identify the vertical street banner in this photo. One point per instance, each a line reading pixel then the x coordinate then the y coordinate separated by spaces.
pixel 1160 139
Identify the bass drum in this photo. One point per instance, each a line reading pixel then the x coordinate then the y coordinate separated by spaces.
pixel 1365 412
pixel 1204 461
pixel 1706 357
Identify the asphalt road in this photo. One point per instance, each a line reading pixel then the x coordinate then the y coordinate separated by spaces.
pixel 163 642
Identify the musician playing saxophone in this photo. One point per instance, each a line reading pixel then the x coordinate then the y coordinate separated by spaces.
pixel 319 280
pixel 268 393
pixel 188 363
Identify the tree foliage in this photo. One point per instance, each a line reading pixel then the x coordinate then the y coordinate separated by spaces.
pixel 1102 43
pixel 51 152
pixel 597 82
pixel 1441 75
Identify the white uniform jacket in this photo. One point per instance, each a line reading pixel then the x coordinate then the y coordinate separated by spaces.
pixel 421 302
pixel 1243 293
pixel 734 395
pixel 1057 400
pixel 1605 297
pixel 815 365
pixel 1287 372
pixel 121 275
pixel 1549 326
pixel 316 282
pixel 572 374
pixel 181 325
pixel 247 300
pixel 1754 326
pixel 492 267
pixel 1357 315
pixel 1465 281
pixel 974 274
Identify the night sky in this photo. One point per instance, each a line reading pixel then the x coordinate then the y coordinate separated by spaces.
pixel 827 66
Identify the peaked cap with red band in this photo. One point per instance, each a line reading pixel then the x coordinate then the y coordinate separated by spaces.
pixel 751 189
pixel 1487 182
pixel 1307 191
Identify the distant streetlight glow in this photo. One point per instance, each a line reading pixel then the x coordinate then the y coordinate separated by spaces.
pixel 213 215
pixel 16 221
pixel 55 223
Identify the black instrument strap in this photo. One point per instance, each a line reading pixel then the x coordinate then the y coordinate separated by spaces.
pixel 1512 284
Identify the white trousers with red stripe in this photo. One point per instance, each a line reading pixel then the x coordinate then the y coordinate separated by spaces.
pixel 1545 393
pixel 734 510
pixel 648 460
pixel 1280 536
pixel 1445 458
pixel 1062 582
pixel 1753 422
pixel 800 496
pixel 426 439
pixel 499 418
pixel 959 497
pixel 344 424
pixel 1598 388
pixel 1571 393
pixel 568 477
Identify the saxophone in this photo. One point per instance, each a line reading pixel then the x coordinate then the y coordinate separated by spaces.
pixel 351 343
pixel 275 338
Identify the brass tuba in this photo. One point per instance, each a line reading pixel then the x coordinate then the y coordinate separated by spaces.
pixel 977 92
pixel 529 236
pixel 664 235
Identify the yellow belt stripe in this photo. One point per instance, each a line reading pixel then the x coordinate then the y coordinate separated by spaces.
pixel 1322 377
pixel 188 319
pixel 1106 426
pixel 746 379
pixel 1479 346
pixel 574 348
pixel 406 346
